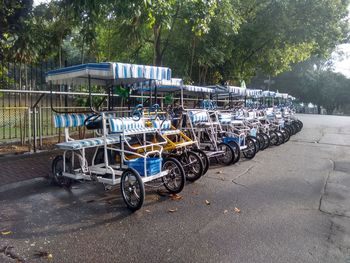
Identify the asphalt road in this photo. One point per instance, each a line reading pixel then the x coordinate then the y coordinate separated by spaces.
pixel 289 204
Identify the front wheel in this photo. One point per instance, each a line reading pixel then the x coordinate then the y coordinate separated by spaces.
pixel 250 151
pixel 228 155
pixel 256 141
pixel 133 189
pixel 273 138
pixel 174 180
pixel 280 138
pixel 192 165
pixel 205 159
pixel 237 151
pixel 57 177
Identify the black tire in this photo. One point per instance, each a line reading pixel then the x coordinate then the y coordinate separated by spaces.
pixel 266 140
pixel 273 138
pixel 133 189
pixel 301 124
pixel 56 177
pixel 256 141
pixel 296 127
pixel 174 181
pixel 250 151
pixel 237 151
pixel 289 129
pixel 228 156
pixel 260 138
pixel 286 134
pixel 205 159
pixel 192 164
pixel 280 138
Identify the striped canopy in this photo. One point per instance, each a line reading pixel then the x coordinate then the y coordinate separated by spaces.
pixel 107 73
pixel 268 94
pixel 174 84
pixel 237 90
pixel 254 93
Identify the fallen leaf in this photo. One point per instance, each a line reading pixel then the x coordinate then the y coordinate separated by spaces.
pixel 207 202
pixel 148 211
pixel 225 211
pixel 237 210
pixel 175 197
pixel 172 210
pixel 5 233
pixel 43 254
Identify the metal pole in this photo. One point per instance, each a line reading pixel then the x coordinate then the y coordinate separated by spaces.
pixel 40 128
pixel 29 130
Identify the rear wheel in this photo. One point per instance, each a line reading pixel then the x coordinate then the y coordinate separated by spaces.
pixel 174 180
pixel 228 154
pixel 250 151
pixel 57 177
pixel 266 140
pixel 133 189
pixel 192 165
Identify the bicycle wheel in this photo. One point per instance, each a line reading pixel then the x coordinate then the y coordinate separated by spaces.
pixel 228 154
pixel 250 151
pixel 174 180
pixel 280 138
pixel 273 138
pixel 237 151
pixel 256 141
pixel 192 165
pixel 57 177
pixel 133 189
pixel 205 159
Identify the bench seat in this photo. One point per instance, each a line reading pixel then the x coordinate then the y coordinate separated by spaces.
pixel 88 143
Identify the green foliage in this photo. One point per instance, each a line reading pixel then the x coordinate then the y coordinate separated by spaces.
pixel 203 41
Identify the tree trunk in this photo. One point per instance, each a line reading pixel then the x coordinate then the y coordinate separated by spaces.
pixel 157 55
pixel 192 55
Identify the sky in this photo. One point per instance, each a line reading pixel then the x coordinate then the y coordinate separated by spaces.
pixel 341 57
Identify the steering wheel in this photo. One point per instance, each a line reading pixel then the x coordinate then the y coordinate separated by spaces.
pixel 93 122
pixel 137 112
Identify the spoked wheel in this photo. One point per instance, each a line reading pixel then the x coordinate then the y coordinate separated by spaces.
pixel 57 177
pixel 261 140
pixel 256 141
pixel 250 151
pixel 228 156
pixel 205 159
pixel 301 124
pixel 174 180
pixel 280 138
pixel 266 140
pixel 133 189
pixel 192 165
pixel 285 134
pixel 273 138
pixel 289 129
pixel 237 151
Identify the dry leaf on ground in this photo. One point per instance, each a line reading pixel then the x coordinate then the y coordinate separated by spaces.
pixel 207 202
pixel 172 210
pixel 225 211
pixel 5 233
pixel 176 197
pixel 237 210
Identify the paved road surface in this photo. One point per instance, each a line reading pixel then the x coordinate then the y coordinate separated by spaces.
pixel 294 203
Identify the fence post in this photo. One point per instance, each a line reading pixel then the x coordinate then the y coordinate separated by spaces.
pixel 29 130
pixel 34 129
pixel 40 128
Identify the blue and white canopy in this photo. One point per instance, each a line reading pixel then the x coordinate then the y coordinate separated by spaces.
pixel 268 94
pixel 172 85
pixel 254 93
pixel 107 73
pixel 238 91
